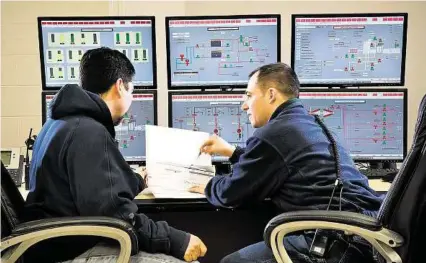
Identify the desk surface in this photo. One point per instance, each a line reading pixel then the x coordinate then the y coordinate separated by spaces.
pixel 377 184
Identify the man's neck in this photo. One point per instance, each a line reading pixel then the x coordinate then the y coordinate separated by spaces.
pixel 278 103
pixel 106 97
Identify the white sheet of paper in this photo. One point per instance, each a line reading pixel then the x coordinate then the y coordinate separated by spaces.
pixel 173 162
pixel 180 146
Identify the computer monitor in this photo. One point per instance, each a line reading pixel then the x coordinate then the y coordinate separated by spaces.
pixel 130 134
pixel 46 99
pixel 371 124
pixel 335 50
pixel 219 51
pixel 215 112
pixel 64 40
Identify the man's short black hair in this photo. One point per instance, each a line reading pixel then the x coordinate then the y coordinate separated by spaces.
pixel 102 67
pixel 279 76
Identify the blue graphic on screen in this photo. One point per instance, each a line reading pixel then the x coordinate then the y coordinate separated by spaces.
pixel 350 52
pixel 130 134
pixel 370 128
pixel 64 45
pixel 212 114
pixel 221 54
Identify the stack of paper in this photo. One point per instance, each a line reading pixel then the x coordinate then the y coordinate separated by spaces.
pixel 173 162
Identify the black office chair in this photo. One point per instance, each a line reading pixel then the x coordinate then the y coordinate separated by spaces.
pixel 17 237
pixel 399 231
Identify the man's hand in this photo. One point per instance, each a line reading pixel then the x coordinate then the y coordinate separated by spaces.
pixel 197 189
pixel 143 173
pixel 195 249
pixel 217 145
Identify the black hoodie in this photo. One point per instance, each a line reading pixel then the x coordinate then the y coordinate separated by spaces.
pixel 78 170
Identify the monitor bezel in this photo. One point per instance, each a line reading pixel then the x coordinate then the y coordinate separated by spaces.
pixel 60 18
pixel 216 86
pixel 405 121
pixel 337 15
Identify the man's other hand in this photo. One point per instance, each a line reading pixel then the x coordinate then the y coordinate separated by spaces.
pixel 144 174
pixel 216 145
pixel 195 249
pixel 197 189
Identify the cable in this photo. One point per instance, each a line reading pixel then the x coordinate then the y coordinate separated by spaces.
pixel 333 144
pixel 336 183
pixel 319 249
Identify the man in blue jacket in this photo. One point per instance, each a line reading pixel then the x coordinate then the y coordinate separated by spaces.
pixel 78 170
pixel 290 160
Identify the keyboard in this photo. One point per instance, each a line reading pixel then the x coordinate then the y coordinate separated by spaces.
pixel 16 175
pixel 380 173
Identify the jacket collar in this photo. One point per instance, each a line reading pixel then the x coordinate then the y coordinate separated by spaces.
pixel 291 103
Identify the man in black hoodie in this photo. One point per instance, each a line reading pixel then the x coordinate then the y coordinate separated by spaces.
pixel 77 169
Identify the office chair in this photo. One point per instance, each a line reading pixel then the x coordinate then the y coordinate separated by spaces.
pixel 17 237
pixel 399 231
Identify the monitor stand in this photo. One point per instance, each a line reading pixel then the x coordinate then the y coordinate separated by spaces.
pixel 382 165
pixel 386 171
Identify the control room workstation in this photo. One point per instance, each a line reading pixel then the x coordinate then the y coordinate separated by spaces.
pixel 208 62
pixel 354 82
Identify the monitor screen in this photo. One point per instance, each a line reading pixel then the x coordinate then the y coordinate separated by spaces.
pixel 355 49
pixel 6 156
pixel 130 134
pixel 371 124
pixel 219 51
pixel 46 99
pixel 217 113
pixel 64 40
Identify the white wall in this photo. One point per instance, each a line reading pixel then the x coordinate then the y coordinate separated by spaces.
pixel 20 61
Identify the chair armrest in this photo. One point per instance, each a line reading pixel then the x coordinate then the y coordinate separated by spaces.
pixel 42 224
pixel 27 234
pixel 364 226
pixel 348 218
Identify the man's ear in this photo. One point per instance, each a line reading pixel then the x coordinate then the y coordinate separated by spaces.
pixel 119 87
pixel 272 95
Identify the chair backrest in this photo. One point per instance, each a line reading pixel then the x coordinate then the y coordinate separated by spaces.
pixel 12 203
pixel 404 208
